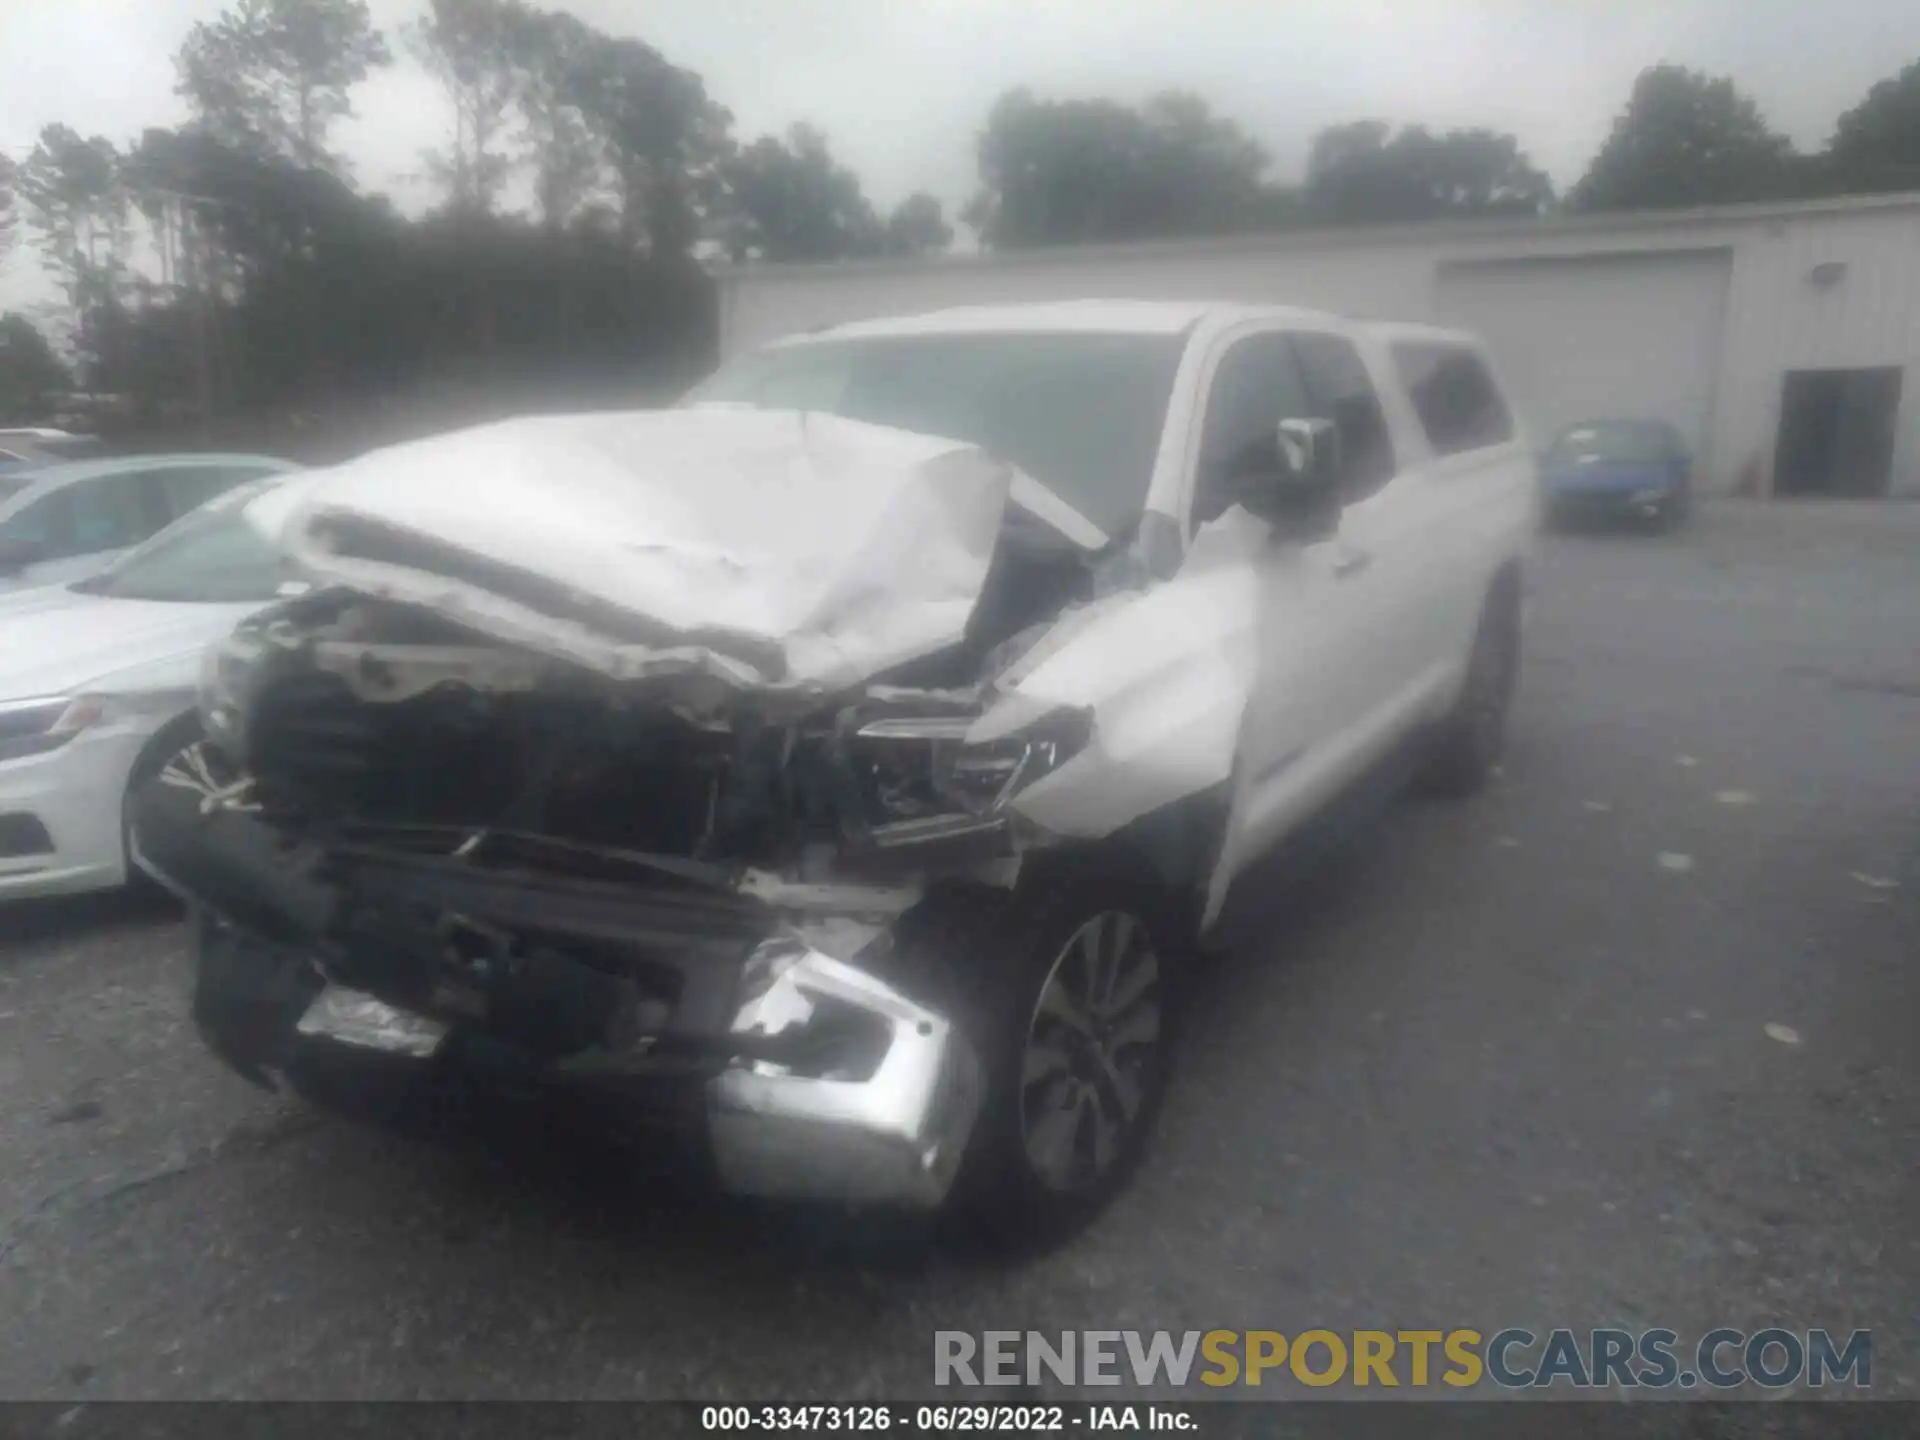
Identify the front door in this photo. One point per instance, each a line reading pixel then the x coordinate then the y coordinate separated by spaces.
pixel 1313 628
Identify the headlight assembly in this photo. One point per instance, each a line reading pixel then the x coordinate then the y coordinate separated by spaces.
pixel 33 727
pixel 216 691
pixel 223 671
pixel 916 778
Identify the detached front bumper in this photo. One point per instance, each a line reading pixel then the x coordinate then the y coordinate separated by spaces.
pixel 802 1076
pixel 894 1135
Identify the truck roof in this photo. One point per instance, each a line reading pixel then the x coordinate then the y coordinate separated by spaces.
pixel 1391 330
pixel 1123 317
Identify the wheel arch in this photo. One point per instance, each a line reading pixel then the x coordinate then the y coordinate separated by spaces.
pixel 173 735
pixel 1174 850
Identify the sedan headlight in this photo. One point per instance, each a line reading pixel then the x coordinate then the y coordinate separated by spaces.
pixel 32 727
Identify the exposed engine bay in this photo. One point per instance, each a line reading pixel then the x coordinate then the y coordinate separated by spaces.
pixel 349 709
pixel 644 788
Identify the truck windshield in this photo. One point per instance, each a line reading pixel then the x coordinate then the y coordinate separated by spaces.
pixel 1081 413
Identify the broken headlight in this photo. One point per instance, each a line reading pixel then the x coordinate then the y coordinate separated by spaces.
pixel 224 677
pixel 916 777
pixel 33 727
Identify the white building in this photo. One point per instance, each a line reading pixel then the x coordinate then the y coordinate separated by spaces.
pixel 1778 337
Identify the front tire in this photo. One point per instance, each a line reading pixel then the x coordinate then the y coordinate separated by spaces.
pixel 1065 990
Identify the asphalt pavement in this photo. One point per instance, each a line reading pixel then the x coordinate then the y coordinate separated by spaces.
pixel 1630 1040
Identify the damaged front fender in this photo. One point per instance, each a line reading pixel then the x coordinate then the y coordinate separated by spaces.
pixel 1167 674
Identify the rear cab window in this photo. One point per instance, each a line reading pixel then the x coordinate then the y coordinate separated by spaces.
pixel 1459 405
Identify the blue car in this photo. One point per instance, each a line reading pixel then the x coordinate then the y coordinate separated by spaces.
pixel 1629 469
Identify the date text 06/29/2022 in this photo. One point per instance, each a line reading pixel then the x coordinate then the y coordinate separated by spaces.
pixel 1513 1358
pixel 922 1419
pixel 947 1417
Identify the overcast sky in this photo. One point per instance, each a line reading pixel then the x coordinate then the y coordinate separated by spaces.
pixel 900 86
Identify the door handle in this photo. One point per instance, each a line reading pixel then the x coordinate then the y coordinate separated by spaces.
pixel 1351 563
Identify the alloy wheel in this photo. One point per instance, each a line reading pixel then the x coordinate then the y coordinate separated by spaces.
pixel 1090 1052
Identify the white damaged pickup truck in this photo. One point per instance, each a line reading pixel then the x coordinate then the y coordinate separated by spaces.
pixel 849 760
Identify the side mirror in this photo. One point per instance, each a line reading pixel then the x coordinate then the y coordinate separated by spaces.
pixel 1297 487
pixel 16 555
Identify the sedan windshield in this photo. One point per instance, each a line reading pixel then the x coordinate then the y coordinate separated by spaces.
pixel 213 556
pixel 1614 440
pixel 70 447
pixel 1081 413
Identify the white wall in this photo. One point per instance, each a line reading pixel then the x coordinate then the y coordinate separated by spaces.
pixel 1778 321
pixel 1774 320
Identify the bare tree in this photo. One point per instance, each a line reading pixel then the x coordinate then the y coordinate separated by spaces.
pixel 278 73
pixel 470 47
pixel 550 54
pixel 9 217
pixel 77 208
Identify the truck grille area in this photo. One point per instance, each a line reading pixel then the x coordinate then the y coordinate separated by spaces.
pixel 572 766
pixel 318 749
pixel 553 966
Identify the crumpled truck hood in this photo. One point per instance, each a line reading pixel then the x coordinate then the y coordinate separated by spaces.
pixel 773 551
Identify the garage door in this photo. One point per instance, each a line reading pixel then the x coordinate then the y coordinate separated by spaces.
pixel 1620 337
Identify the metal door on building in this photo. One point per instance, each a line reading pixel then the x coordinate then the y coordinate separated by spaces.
pixel 1837 431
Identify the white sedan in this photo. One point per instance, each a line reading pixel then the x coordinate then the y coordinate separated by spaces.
pixel 98 681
